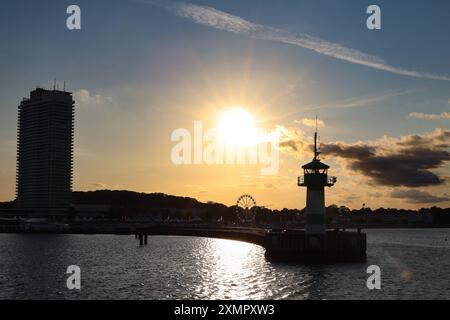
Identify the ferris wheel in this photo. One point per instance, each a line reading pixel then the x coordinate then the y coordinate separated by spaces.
pixel 246 208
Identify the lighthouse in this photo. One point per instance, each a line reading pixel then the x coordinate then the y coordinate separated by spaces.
pixel 315 244
pixel 315 178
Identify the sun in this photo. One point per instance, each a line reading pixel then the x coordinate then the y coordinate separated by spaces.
pixel 237 127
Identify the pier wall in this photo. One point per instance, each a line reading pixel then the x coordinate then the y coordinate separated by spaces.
pixel 334 246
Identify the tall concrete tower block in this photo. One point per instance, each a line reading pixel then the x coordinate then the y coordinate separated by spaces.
pixel 315 178
pixel 44 152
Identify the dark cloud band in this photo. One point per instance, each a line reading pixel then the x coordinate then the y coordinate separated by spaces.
pixel 407 162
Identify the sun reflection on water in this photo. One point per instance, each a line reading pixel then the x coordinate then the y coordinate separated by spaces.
pixel 232 256
pixel 232 269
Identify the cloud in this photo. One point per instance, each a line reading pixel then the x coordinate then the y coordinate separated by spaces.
pixel 409 168
pixel 361 101
pixel 311 122
pixel 353 102
pixel 257 185
pixel 351 198
pixel 248 185
pixel 199 193
pixel 440 138
pixel 375 194
pixel 429 116
pixel 99 185
pixel 415 196
pixel 348 151
pixel 292 140
pixel 406 161
pixel 217 19
pixel 85 98
pixel 103 186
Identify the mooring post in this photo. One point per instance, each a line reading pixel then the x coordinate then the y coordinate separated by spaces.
pixel 141 239
pixel 145 239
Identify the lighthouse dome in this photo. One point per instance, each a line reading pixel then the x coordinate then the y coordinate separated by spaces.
pixel 316 164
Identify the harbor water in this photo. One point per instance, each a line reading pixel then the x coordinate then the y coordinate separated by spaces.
pixel 414 263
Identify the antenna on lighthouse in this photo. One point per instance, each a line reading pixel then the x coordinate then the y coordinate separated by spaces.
pixel 316 153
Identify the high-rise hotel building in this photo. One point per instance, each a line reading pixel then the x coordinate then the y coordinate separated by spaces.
pixel 44 152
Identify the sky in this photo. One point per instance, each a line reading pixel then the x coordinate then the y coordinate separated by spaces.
pixel 140 69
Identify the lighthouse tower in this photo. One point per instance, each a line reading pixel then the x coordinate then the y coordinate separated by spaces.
pixel 315 178
pixel 315 244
